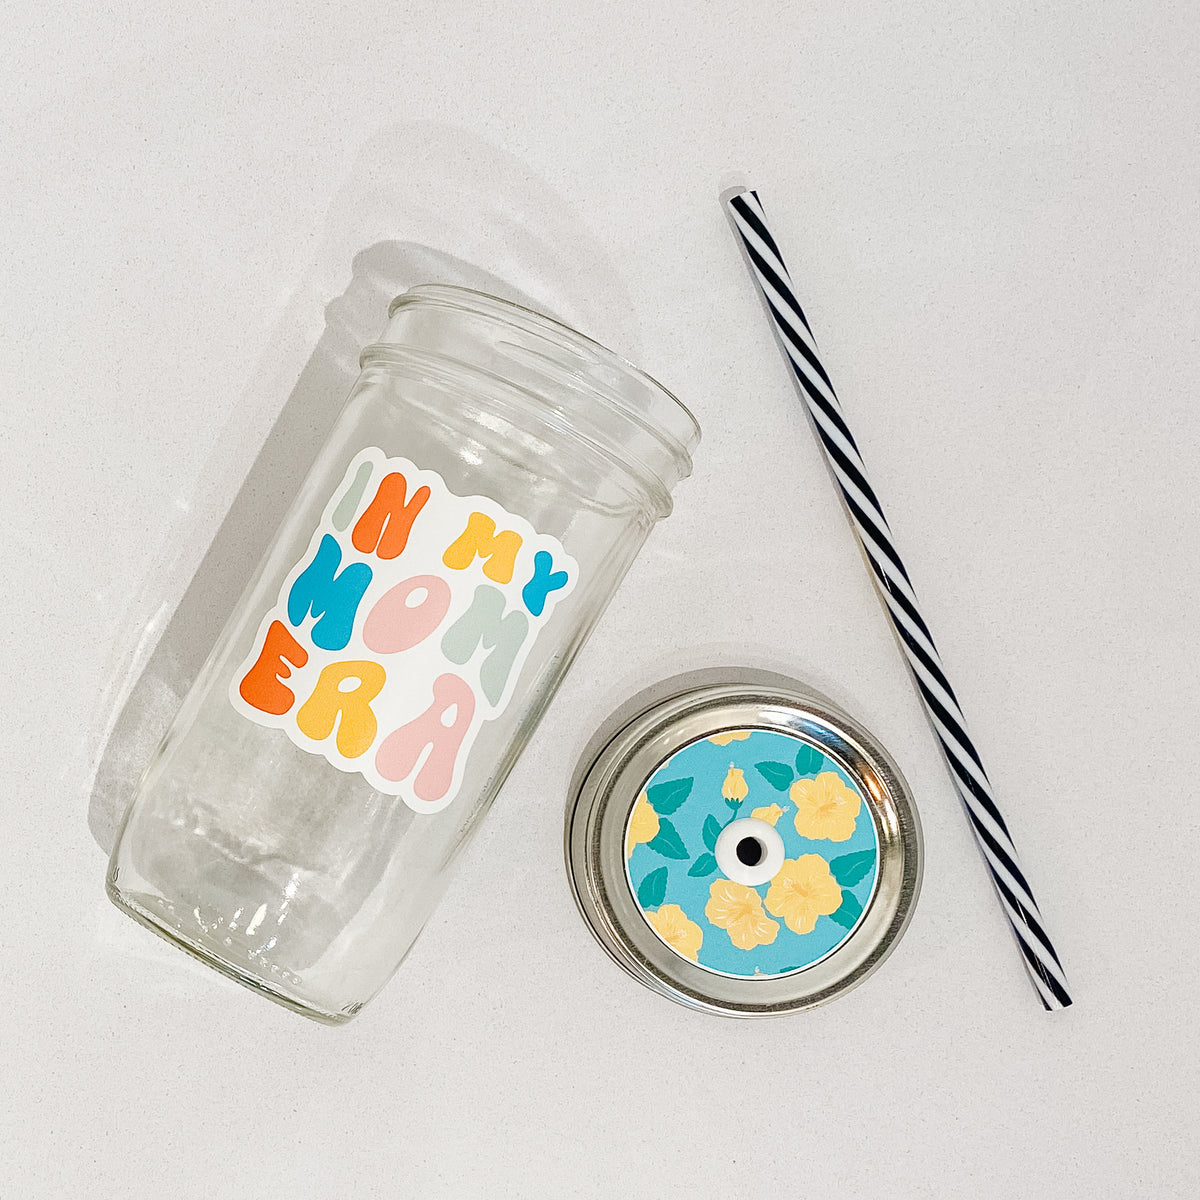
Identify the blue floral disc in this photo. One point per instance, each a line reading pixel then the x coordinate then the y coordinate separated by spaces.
pixel 752 853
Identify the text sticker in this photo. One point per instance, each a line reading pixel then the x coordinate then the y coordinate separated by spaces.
pixel 402 629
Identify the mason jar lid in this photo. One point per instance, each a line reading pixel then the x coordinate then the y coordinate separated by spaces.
pixel 739 844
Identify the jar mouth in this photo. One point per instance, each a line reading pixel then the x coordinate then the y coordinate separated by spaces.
pixel 669 418
pixel 450 375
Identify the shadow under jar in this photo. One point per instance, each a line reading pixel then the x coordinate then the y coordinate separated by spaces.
pixel 491 478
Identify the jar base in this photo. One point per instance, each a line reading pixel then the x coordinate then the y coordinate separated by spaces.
pixel 145 916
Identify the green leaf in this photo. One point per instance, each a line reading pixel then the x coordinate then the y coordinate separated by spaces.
pixel 654 889
pixel 666 797
pixel 848 869
pixel 668 843
pixel 809 760
pixel 850 911
pixel 778 775
pixel 704 865
pixel 712 831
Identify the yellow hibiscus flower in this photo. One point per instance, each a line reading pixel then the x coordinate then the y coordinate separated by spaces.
pixel 770 814
pixel 803 890
pixel 671 924
pixel 825 807
pixel 643 825
pixel 738 909
pixel 723 739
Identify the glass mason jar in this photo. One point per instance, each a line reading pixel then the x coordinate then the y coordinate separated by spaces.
pixel 483 492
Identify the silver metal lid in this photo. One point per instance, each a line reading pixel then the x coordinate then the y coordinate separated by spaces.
pixel 741 845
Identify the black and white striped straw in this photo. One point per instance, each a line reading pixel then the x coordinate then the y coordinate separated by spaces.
pixel 941 705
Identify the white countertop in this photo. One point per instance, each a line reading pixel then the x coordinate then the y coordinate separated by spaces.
pixel 990 213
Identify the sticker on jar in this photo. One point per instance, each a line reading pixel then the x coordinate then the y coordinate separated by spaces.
pixel 403 629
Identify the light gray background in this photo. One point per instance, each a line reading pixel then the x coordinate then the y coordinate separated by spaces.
pixel 990 210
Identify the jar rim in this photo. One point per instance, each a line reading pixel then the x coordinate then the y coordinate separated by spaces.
pixel 471 300
pixel 446 372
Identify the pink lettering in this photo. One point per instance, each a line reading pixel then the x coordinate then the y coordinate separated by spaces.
pixel 397 623
pixel 401 750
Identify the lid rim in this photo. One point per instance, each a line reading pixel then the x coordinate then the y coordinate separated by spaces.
pixel 611 778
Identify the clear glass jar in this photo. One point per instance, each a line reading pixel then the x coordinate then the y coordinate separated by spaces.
pixel 487 485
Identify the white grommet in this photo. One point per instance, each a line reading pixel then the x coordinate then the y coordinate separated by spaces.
pixel 761 851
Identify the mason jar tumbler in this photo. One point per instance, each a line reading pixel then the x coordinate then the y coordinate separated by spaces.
pixel 488 483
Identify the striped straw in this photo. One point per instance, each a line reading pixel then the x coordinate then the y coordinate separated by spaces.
pixel 941 705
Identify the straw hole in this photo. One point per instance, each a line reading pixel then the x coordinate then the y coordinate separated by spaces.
pixel 750 851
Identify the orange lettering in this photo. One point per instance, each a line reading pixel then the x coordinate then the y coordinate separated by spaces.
pixel 384 528
pixel 262 687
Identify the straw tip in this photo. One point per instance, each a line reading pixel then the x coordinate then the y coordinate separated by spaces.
pixel 734 183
